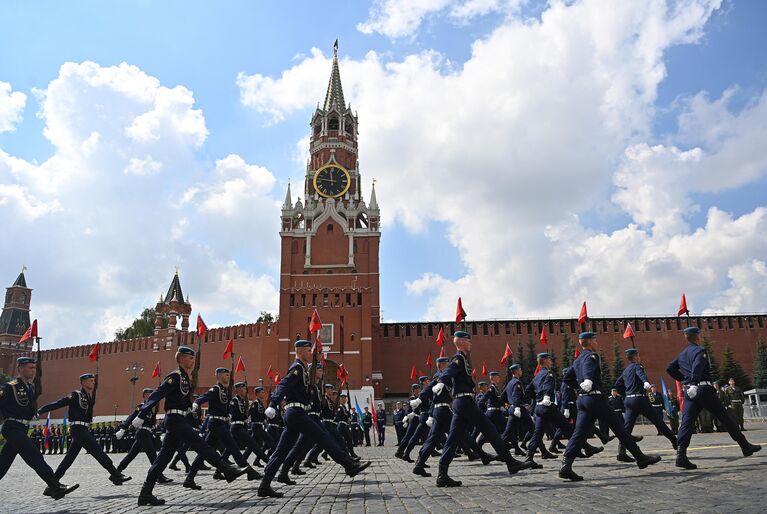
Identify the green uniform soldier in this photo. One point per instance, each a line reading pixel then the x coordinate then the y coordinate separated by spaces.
pixel 705 421
pixel 736 397
pixel 673 417
pixel 724 398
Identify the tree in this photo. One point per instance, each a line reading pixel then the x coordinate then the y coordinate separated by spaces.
pixel 732 369
pixel 142 326
pixel 266 317
pixel 4 378
pixel 760 365
pixel 712 361
pixel 567 351
pixel 519 355
pixel 607 377
pixel 617 361
pixel 554 367
pixel 531 362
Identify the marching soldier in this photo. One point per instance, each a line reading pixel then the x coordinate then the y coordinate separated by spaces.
pixel 143 442
pixel 399 417
pixel 634 381
pixel 585 376
pixel 422 405
pixel 238 415
pixel 18 405
pixel 410 423
pixel 493 405
pixel 258 423
pixel 693 368
pixel 438 420
pixel 673 417
pixel 615 401
pixel 519 423
pixel 80 413
pixel 466 413
pixel 656 400
pixel 342 421
pixel 736 397
pixel 381 424
pixel 293 387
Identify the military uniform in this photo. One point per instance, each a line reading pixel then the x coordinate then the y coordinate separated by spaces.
pixel 519 423
pixel 421 429
pixel 544 389
pixel 143 440
pixel 673 417
pixel 399 417
pixel 736 397
pixel 342 418
pixel 238 410
pixel 725 399
pixel 441 415
pixel 381 425
pixel 367 424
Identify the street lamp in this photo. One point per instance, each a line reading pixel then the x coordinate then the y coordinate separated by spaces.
pixel 134 370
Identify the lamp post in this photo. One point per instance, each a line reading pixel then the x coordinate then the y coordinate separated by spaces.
pixel 134 370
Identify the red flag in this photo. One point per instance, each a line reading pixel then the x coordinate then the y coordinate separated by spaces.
pixel 683 306
pixel 240 365
pixel 544 337
pixel 484 370
pixel 442 352
pixel 156 372
pixel 584 316
pixel 322 360
pixel 413 374
pixel 506 355
pixel 30 333
pixel 270 373
pixel 315 324
pixel 342 374
pixel 680 396
pixel 277 378
pixel 629 331
pixel 373 412
pixel 537 370
pixel 94 355
pixel 229 350
pixel 474 373
pixel 460 314
pixel 577 351
pixel 317 345
pixel 428 360
pixel 202 328
pixel 441 337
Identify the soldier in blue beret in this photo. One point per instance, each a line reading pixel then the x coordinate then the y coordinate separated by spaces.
pixel 585 376
pixel 80 414
pixel 18 405
pixel 438 422
pixel 493 405
pixel 258 426
pixel 634 383
pixel 692 367
pixel 421 406
pixel 466 413
pixel 238 415
pixel 411 421
pixel 519 422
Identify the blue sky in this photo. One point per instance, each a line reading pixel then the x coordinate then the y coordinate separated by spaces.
pixel 536 258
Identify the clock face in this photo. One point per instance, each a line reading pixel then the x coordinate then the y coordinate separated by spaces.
pixel 332 181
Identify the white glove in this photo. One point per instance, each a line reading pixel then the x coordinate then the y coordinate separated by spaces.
pixel 437 389
pixel 411 416
pixel 162 437
pixel 415 403
pixel 586 385
pixel 195 407
pixel 567 413
pixel 270 413
pixel 647 385
pixel 120 433
pixel 404 423
pixel 517 412
pixel 137 422
pixel 692 391
pixel 546 400
pixel 429 422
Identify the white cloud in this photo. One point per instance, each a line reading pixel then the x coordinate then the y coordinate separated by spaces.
pixel 147 166
pixel 11 106
pixel 746 292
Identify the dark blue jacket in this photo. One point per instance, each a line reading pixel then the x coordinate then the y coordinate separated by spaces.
pixel 543 384
pixel 175 388
pixel 586 366
pixel 691 366
pixel 515 394
pixel 632 380
pixel 459 372
pixel 293 386
pixel 18 400
pixel 217 398
pixel 80 406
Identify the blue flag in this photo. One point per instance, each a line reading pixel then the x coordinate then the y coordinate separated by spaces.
pixel 359 412
pixel 666 401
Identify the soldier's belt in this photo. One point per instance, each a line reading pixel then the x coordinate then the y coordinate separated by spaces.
pixel 317 414
pixel 275 425
pixel 493 408
pixel 297 405
pixel 219 418
pixel 636 395
pixel 81 423
pixel 343 423
pixel 144 428
pixel 592 393
pixel 238 422
pixel 736 401
pixel 24 422
pixel 461 395
pixel 440 405
pixel 179 412
pixel 704 383
pixel 618 410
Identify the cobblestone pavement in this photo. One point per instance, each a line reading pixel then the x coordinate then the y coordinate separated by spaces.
pixel 724 482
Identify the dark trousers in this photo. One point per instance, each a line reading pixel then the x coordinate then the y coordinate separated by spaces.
pixel 367 435
pixel 332 429
pixel 420 432
pixel 439 428
pixel 259 434
pixel 641 405
pixel 82 438
pixel 412 426
pixel 181 457
pixel 299 423
pixel 591 408
pixel 17 443
pixel 144 442
pixel 496 417
pixel 178 430
pixel 517 427
pixel 346 433
pixel 400 432
pixel 705 399
pixel 381 433
pixel 218 436
pixel 546 417
pixel 243 439
pixel 466 413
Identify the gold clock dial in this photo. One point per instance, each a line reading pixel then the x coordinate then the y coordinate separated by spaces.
pixel 332 181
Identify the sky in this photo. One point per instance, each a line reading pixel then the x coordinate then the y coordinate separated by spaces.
pixel 528 155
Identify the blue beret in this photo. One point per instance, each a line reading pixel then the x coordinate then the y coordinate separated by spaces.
pixel 303 343
pixel 544 355
pixel 146 390
pixel 482 383
pixel 514 366
pixel 86 376
pixel 415 386
pixel 586 335
pixel 259 389
pixel 613 389
pixel 185 350
pixel 329 386
pixel 240 384
pixel 422 378
pixel 343 395
pixel 462 334
pixel 442 359
pixel 565 370
pixel 632 351
pixel 493 373
pixel 24 360
pixel 222 370
pixel 691 330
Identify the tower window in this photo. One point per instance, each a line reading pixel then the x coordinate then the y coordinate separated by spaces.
pixel 330 227
pixel 303 300
pixel 333 124
pixel 292 300
pixel 317 128
pixel 348 299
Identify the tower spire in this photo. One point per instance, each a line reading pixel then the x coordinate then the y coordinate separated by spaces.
pixel 288 200
pixel 334 98
pixel 373 200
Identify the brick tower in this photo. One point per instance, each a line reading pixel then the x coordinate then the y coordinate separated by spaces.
pixel 329 244
pixel 173 305
pixel 14 321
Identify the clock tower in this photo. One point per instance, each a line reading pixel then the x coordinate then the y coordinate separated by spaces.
pixel 329 245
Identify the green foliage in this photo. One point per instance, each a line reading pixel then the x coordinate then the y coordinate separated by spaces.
pixel 266 317
pixel 712 361
pixel 567 351
pixel 531 362
pixel 607 376
pixel 519 355
pixel 4 378
pixel 617 361
pixel 760 365
pixel 731 368
pixel 554 367
pixel 142 326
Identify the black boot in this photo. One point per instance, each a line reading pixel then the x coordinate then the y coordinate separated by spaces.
pixel 420 468
pixel 486 457
pixel 189 483
pixel 217 475
pixel 514 465
pixel 533 464
pixel 443 480
pixel 59 490
pixel 265 489
pixel 623 456
pixel 750 449
pixel 646 460
pixel 164 480
pixel 308 464
pixel 591 450
pixel 253 474
pixel 284 478
pixel 355 468
pixel 406 457
pixel 566 471
pixel 553 448
pixel 118 478
pixel 637 438
pixel 231 472
pixel 399 453
pixel 682 461
pixel 296 470
pixel 146 497
pixel 546 454
pixel 519 452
